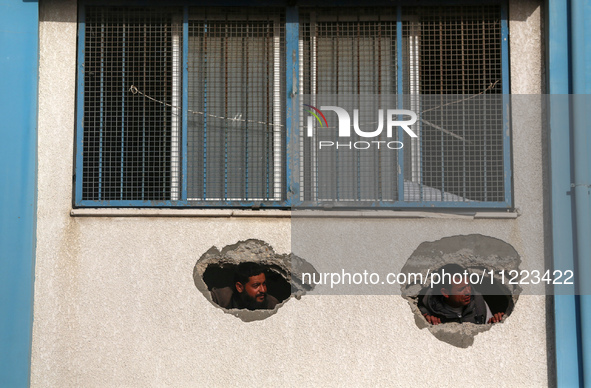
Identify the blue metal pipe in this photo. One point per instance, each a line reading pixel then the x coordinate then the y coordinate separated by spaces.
pixel 581 114
pixel 566 309
pixel 18 174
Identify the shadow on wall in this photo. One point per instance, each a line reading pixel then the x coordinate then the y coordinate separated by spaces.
pixel 477 257
pixel 215 274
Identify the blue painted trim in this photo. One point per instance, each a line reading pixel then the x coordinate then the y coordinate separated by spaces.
pixel 580 16
pixel 19 65
pixel 181 204
pixel 507 165
pixel 185 109
pixel 80 105
pixel 292 117
pixel 569 368
pixel 288 3
pixel 561 178
pixel 505 49
pixel 507 151
pixel 568 362
pixel 432 205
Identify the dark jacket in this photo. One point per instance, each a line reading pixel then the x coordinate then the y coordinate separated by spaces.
pixel 474 312
pixel 226 297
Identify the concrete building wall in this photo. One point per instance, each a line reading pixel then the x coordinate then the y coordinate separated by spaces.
pixel 116 305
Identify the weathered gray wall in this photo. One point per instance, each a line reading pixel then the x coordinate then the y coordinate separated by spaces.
pixel 115 302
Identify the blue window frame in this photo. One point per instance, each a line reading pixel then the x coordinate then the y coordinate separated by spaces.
pixel 206 106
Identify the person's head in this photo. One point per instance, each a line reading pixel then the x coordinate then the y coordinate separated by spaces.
pixel 251 284
pixel 455 286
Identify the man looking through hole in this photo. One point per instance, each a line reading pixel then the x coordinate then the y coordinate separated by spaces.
pixel 249 290
pixel 456 301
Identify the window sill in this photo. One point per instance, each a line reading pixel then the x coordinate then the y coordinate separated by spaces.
pixel 270 213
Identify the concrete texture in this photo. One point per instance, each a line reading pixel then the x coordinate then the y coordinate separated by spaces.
pixel 116 305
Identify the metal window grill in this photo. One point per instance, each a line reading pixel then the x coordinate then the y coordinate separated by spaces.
pixel 347 53
pixel 448 69
pixel 444 63
pixel 130 143
pixel 236 96
pixel 458 54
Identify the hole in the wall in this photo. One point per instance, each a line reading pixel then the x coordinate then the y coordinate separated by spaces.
pixel 215 271
pixel 477 254
pixel 497 297
pixel 217 276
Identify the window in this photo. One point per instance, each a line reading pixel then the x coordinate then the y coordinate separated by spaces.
pixel 208 106
pixel 236 99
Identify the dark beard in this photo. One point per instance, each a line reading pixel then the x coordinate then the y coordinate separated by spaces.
pixel 251 303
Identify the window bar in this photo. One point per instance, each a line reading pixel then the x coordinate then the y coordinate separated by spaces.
pixel 442 167
pixel 292 117
pixel 277 129
pixel 309 123
pixel 302 139
pixel 462 49
pixel 245 69
pixel 416 143
pixel 421 170
pixel 400 98
pixel 269 110
pixel 336 53
pixel 314 90
pixel 123 91
pixel 380 190
pixel 176 113
pixel 185 104
pixel 144 107
pixel 80 105
pixel 415 104
pixel 165 136
pixel 205 109
pixel 505 90
pixel 358 98
pixel 484 78
pixel 102 112
pixel 441 135
pixel 226 122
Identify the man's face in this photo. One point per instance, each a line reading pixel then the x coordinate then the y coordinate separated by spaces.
pixel 459 294
pixel 255 291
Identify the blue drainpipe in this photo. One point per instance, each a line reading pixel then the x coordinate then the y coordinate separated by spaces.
pixel 569 68
pixel 581 115
pixel 566 308
pixel 19 32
